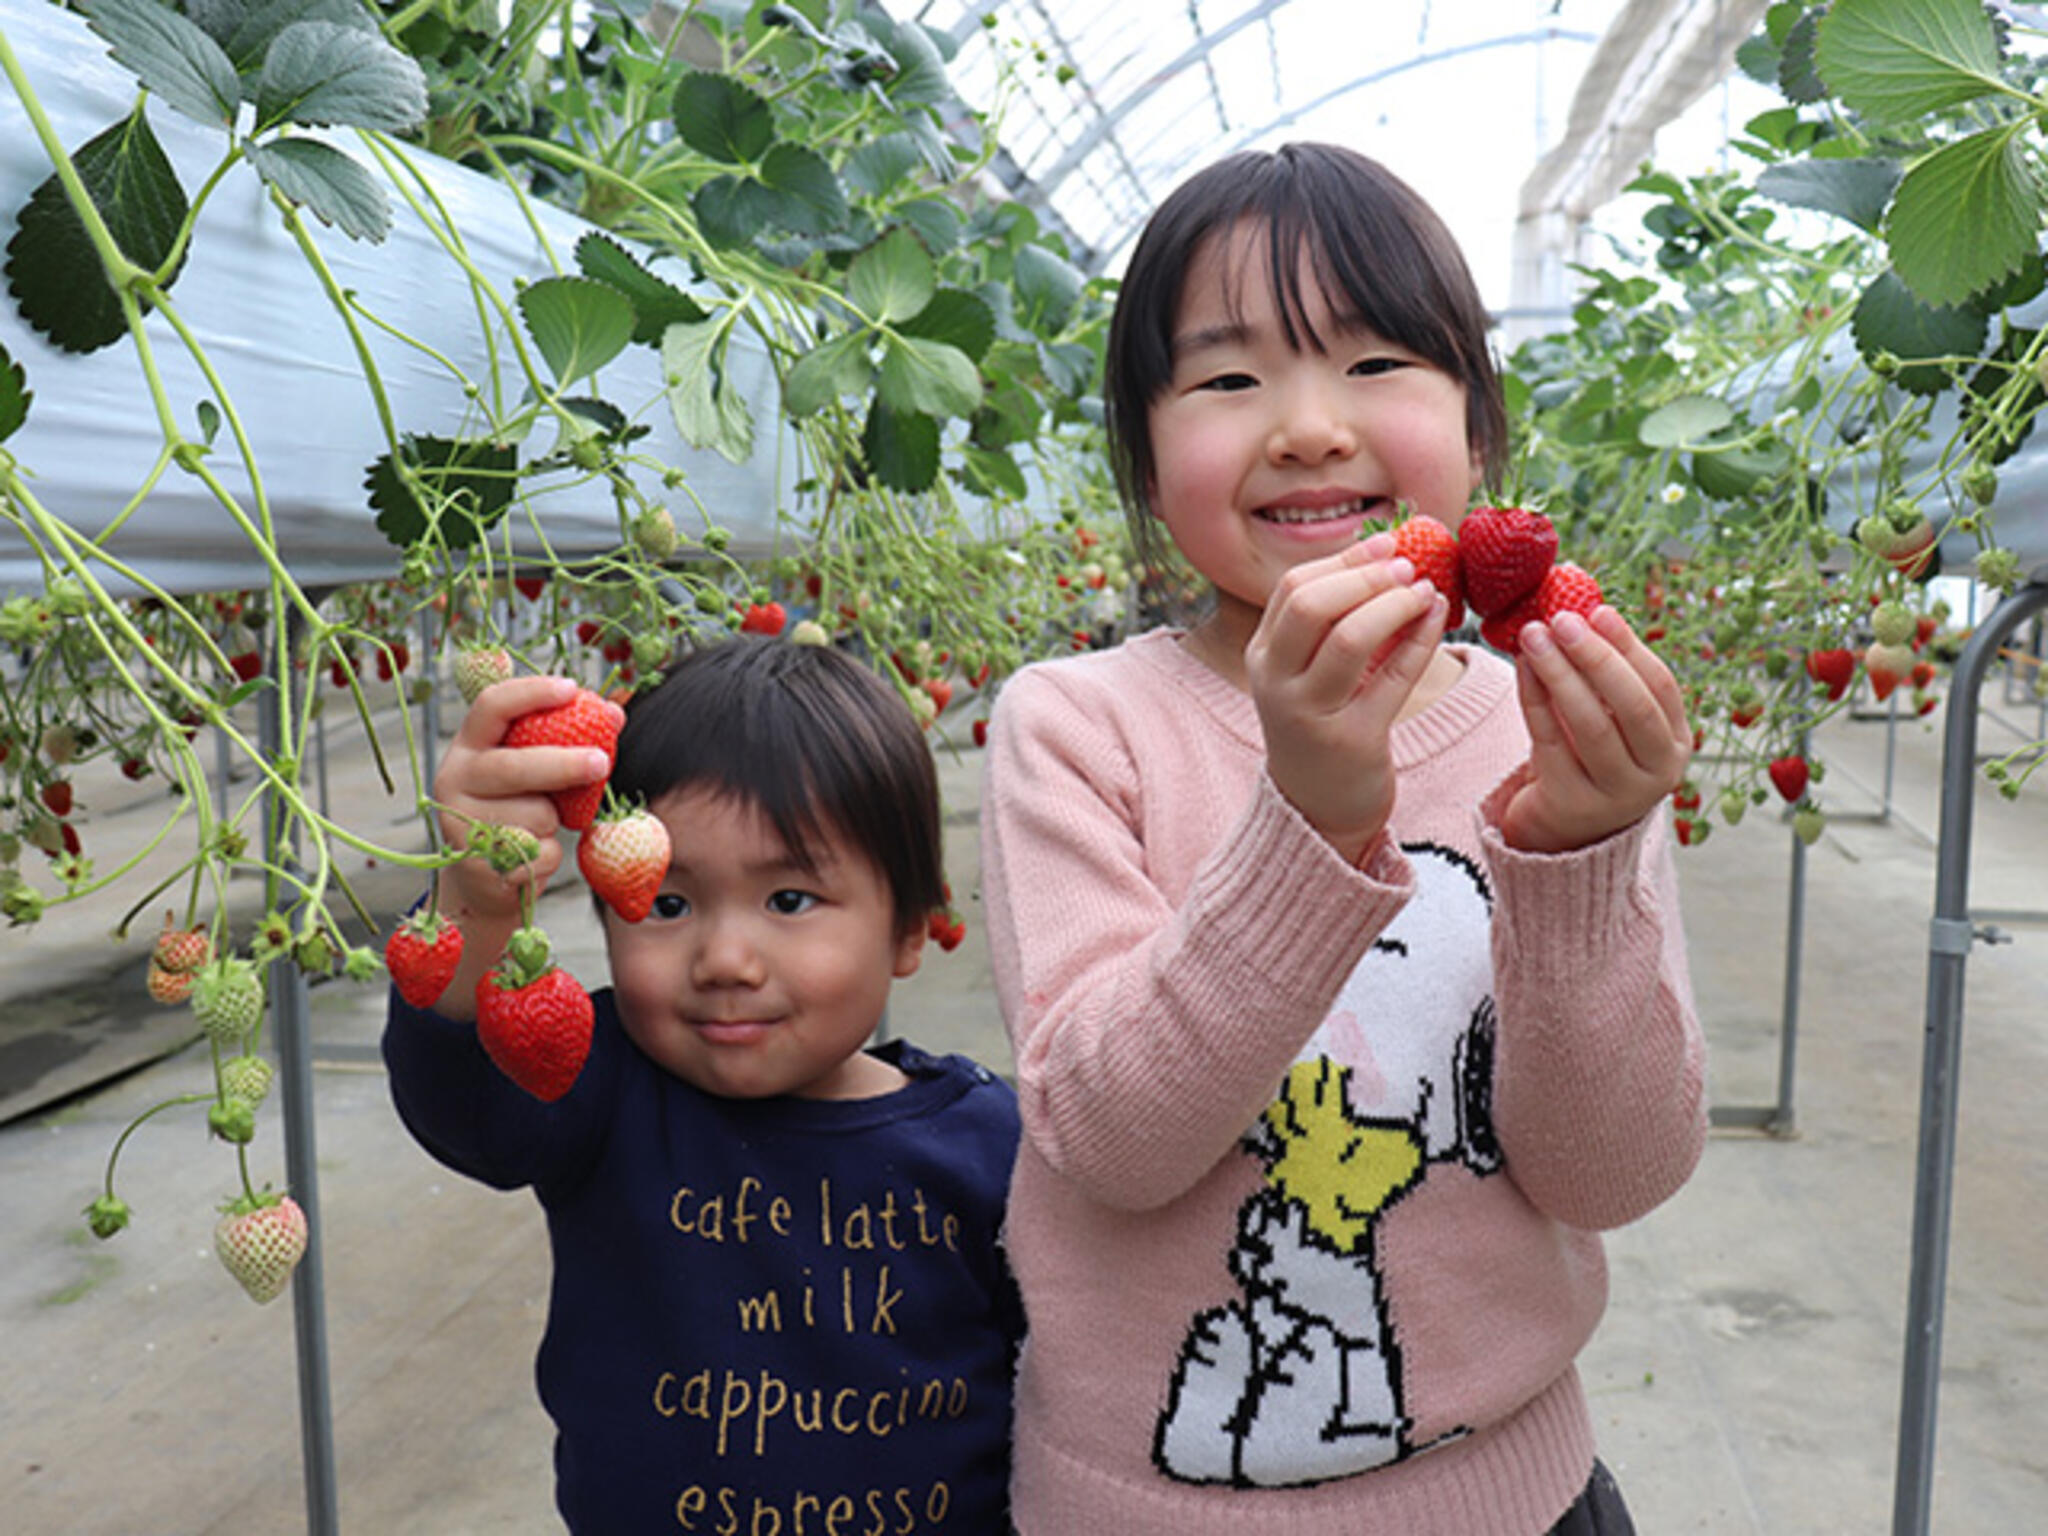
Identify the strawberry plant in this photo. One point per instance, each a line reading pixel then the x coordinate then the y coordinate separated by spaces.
pixel 785 183
pixel 1764 434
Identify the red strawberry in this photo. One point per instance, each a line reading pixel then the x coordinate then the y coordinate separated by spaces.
pixel 1504 551
pixel 530 587
pixel 1925 628
pixel 537 1030
pixel 422 955
pixel 168 987
pixel 625 858
pixel 940 690
pixel 246 664
pixel 981 733
pixel 261 1238
pixel 1433 550
pixel 1567 589
pixel 764 619
pixel 1888 666
pixel 1922 675
pixel 57 796
pixel 1834 669
pixel 1790 774
pixel 587 720
pixel 181 951
pixel 945 929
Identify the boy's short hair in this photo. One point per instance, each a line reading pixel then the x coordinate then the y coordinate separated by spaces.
pixel 1373 241
pixel 811 738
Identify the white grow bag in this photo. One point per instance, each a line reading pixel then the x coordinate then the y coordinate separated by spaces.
pixel 290 368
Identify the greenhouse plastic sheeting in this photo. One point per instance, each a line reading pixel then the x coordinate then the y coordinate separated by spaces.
pixel 289 367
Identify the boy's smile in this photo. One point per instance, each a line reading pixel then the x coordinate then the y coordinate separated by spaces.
pixel 753 976
pixel 1268 454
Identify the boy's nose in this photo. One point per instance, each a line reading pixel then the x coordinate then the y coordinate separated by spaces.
pixel 725 956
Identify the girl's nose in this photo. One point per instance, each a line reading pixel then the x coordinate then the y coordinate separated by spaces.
pixel 1312 428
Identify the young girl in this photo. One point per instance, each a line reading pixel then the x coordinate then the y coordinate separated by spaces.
pixel 779 1303
pixel 1343 968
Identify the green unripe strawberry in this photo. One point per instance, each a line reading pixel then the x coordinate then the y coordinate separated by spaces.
pixel 106 1216
pixel 232 1121
pixel 1891 623
pixel 227 999
pixel 655 532
pixel 246 1079
pixel 479 666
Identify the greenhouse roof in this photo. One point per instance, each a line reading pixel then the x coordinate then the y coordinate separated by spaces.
pixel 1100 109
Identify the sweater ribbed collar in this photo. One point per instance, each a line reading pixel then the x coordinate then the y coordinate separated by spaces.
pixel 1486 684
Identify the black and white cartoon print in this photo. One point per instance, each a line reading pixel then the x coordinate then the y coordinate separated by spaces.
pixel 1299 1381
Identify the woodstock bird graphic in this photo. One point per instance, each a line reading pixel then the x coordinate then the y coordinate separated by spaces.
pixel 1299 1381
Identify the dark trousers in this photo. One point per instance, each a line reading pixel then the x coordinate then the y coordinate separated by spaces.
pixel 1599 1511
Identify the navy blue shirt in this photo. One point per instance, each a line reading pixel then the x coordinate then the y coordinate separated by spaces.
pixel 786 1315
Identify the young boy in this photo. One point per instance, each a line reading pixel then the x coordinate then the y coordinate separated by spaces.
pixel 779 1303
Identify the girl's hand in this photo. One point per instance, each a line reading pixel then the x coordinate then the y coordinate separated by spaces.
pixel 1341 644
pixel 1608 732
pixel 483 781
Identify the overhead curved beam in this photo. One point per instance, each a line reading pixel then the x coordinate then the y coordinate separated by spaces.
pixel 1106 122
pixel 1109 246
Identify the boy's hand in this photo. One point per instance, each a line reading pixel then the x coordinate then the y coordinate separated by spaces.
pixel 482 781
pixel 1341 645
pixel 1608 732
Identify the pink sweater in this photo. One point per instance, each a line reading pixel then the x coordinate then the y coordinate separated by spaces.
pixel 1314 1157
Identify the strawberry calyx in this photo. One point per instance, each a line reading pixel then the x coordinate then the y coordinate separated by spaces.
pixel 528 957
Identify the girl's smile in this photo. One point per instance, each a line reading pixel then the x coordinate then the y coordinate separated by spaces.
pixel 1269 451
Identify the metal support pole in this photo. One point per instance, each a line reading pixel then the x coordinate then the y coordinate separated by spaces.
pixel 1777 1119
pixel 1951 934
pixel 1780 1123
pixel 291 1010
pixel 430 702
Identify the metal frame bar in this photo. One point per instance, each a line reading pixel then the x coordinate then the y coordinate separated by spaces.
pixel 291 1009
pixel 1950 936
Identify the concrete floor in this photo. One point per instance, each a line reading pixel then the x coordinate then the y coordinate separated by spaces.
pixel 1746 1380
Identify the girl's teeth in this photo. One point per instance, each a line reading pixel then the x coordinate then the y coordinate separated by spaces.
pixel 1313 515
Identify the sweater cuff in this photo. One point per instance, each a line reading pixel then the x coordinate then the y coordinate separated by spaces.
pixel 1313 913
pixel 1560 912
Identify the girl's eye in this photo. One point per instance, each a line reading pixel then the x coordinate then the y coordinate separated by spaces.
pixel 791 903
pixel 669 905
pixel 1366 367
pixel 1229 383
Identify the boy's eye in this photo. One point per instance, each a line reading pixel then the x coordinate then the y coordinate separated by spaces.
pixel 669 905
pixel 790 903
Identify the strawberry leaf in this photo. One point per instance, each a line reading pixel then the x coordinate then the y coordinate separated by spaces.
pixel 1901 60
pixel 1890 318
pixel 708 411
pixel 1857 190
pixel 657 304
pixel 53 269
pixel 957 318
pixel 892 279
pixel 333 187
pixel 467 484
pixel 323 72
pixel 808 197
pixel 1685 420
pixel 722 119
pixel 826 373
pixel 928 377
pixel 1047 289
pixel 902 451
pixel 1966 216
pixel 15 396
pixel 172 56
pixel 578 324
